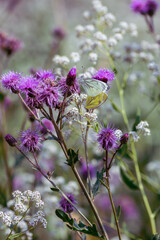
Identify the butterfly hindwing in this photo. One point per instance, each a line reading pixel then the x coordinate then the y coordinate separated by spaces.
pixel 96 101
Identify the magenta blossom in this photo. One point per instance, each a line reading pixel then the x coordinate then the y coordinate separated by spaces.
pixel 30 140
pixel 11 81
pixel 8 44
pixel 65 205
pixel 104 75
pixel 108 139
pixel 144 7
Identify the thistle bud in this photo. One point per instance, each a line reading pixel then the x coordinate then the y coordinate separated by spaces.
pixel 124 138
pixel 71 77
pixel 11 140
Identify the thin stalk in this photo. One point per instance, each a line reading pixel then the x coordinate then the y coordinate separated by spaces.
pixel 90 202
pixel 128 234
pixel 107 185
pixel 141 187
pixel 5 152
pixel 86 158
pixel 114 212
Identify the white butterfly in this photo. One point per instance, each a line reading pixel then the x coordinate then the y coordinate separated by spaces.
pixel 94 87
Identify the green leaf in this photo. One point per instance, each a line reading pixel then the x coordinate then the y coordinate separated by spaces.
pixel 155 237
pixel 55 189
pixel 118 211
pixel 3 198
pixel 128 180
pixel 2 96
pixel 64 216
pixel 150 184
pixel 80 227
pixel 72 157
pixel 95 127
pixel 16 235
pixel 96 185
pixel 52 138
pixel 115 107
pixel 137 120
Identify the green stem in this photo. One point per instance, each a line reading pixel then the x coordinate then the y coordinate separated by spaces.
pixel 90 202
pixel 140 184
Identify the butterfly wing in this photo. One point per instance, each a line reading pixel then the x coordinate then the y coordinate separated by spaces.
pixel 96 101
pixel 94 87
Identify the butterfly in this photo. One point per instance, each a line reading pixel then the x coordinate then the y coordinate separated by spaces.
pixel 96 91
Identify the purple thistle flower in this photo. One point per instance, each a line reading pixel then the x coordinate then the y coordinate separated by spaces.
pixel 70 84
pixel 65 205
pixel 11 81
pixel 107 138
pixel 59 33
pixel 49 95
pixel 144 7
pixel 45 75
pixel 48 92
pixel 30 140
pixel 138 6
pixel 29 85
pixel 68 89
pixel 8 44
pixel 151 7
pixel 104 75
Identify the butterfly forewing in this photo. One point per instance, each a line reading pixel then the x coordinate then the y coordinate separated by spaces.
pixel 94 87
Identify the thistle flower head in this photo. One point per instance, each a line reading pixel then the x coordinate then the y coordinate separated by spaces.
pixel 8 44
pixel 143 7
pixel 11 81
pixel 151 7
pixel 30 140
pixel 45 75
pixel 104 75
pixel 107 138
pixel 65 205
pixel 75 88
pixel 59 33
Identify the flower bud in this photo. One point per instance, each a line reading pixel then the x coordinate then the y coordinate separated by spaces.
pixel 124 138
pixel 71 77
pixel 11 140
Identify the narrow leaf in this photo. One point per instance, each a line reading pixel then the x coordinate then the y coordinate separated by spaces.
pixel 128 180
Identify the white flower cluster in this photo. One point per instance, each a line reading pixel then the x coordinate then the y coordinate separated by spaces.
pixel 72 114
pixel 38 220
pixel 61 60
pixel 91 117
pixel 142 129
pixel 21 217
pixel 78 98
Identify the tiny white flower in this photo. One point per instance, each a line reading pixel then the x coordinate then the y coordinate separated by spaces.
pixel 75 56
pixel 112 42
pixel 93 57
pixel 100 36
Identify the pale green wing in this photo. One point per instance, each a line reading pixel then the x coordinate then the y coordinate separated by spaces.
pixel 95 102
pixel 94 87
